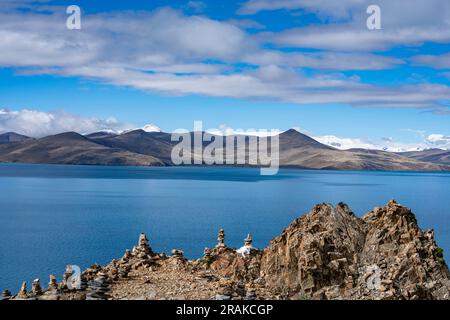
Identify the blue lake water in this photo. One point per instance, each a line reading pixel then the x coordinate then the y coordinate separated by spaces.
pixel 52 215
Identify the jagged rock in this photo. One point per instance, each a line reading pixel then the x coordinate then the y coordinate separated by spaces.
pixel 330 254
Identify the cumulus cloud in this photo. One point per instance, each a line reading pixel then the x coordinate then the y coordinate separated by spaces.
pixel 403 23
pixel 345 143
pixel 169 52
pixel 38 123
pixel 337 9
pixel 335 61
pixel 386 144
pixel 196 6
pixel 439 140
pixel 437 61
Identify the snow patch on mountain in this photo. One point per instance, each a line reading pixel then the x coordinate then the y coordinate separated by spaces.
pixel 385 144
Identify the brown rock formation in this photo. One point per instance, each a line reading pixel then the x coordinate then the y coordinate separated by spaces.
pixel 328 253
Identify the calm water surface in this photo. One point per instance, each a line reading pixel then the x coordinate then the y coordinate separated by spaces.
pixel 53 215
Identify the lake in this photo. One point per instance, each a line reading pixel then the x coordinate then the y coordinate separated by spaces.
pixel 54 215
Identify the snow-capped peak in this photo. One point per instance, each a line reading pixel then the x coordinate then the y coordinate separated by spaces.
pixel 108 131
pixel 151 128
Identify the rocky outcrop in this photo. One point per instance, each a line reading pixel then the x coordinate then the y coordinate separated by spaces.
pixel 332 254
pixel 328 253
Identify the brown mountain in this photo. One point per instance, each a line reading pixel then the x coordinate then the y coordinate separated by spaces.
pixel 299 150
pixel 70 148
pixel 138 147
pixel 431 155
pixel 155 144
pixel 10 137
pixel 100 135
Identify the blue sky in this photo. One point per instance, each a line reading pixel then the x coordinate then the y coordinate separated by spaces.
pixel 258 64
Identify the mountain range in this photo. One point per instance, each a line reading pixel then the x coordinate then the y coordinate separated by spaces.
pixel 154 148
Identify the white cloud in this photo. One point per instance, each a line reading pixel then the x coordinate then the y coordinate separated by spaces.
pixel 439 140
pixel 246 23
pixel 438 61
pixel 166 51
pixel 387 144
pixel 38 123
pixel 151 128
pixel 408 23
pixel 345 143
pixel 333 8
pixel 352 37
pixel 225 130
pixel 196 6
pixel 324 60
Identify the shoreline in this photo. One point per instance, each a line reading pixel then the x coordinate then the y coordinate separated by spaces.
pixel 285 168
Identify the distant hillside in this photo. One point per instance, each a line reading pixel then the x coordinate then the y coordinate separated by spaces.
pixel 9 137
pixel 155 144
pixel 139 147
pixel 431 155
pixel 70 148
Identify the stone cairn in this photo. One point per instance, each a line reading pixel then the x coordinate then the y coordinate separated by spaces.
pixel 247 249
pixel 126 257
pixel 53 284
pixel 248 241
pixel 143 245
pixel 250 294
pixel 6 295
pixel 66 277
pixel 98 288
pixel 221 239
pixel 123 267
pixel 52 293
pixel 146 257
pixel 23 294
pixel 178 254
pixel 225 290
pixel 36 287
pixel 177 260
